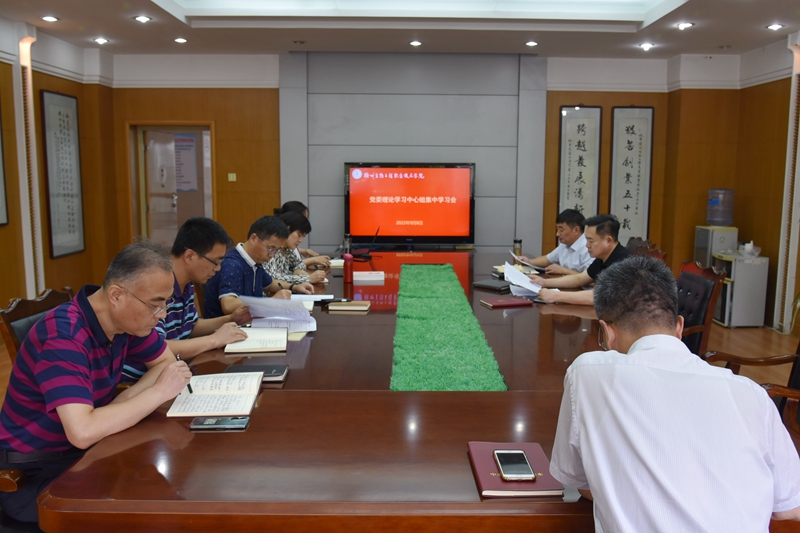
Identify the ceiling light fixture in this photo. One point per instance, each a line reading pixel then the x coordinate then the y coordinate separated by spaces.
pixel 684 25
pixel 101 40
pixel 180 40
pixel 775 27
pixel 143 18
pixel 531 43
pixel 646 46
pixel 415 43
pixel 49 18
pixel 299 42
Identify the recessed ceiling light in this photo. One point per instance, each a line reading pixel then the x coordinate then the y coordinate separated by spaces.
pixel 101 40
pixel 646 46
pixel 180 40
pixel 775 27
pixel 299 42
pixel 415 43
pixel 531 43
pixel 684 25
pixel 49 18
pixel 724 46
pixel 143 18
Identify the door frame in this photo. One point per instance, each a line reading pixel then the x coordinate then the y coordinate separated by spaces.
pixel 135 167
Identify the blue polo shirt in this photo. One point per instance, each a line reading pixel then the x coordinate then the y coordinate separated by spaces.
pixel 66 358
pixel 176 326
pixel 238 275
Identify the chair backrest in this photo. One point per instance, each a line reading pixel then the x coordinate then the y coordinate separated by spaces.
pixel 18 318
pixel 698 291
pixel 636 242
pixel 651 252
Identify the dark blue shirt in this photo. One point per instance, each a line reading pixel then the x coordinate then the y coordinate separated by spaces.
pixel 238 275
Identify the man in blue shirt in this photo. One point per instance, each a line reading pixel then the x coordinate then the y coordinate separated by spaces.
pixel 242 271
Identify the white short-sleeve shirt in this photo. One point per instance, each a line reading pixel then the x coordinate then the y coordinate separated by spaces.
pixel 667 442
pixel 575 257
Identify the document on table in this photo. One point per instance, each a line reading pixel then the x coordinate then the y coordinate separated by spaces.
pixel 539 269
pixel 275 308
pixel 293 325
pixel 312 297
pixel 515 277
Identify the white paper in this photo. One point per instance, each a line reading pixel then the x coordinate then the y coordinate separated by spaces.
pixel 275 308
pixel 312 297
pixel 293 325
pixel 515 277
pixel 519 291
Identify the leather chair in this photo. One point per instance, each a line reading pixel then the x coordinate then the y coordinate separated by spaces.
pixel 636 242
pixel 652 252
pixel 698 291
pixel 18 318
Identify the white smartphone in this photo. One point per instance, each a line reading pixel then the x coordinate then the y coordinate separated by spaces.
pixel 514 465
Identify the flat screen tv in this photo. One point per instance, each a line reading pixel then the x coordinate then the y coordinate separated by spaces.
pixel 410 203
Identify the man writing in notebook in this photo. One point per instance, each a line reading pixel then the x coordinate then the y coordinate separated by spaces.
pixel 196 256
pixel 571 255
pixel 602 232
pixel 242 271
pixel 660 439
pixel 61 392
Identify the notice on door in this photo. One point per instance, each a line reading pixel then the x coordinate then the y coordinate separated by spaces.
pixel 185 162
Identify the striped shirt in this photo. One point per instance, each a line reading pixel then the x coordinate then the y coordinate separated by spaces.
pixel 65 359
pixel 239 275
pixel 177 325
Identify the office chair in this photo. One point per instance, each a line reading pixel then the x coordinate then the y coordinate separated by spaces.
pixel 636 242
pixel 698 291
pixel 18 318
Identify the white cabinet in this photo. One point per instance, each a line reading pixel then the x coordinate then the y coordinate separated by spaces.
pixel 744 293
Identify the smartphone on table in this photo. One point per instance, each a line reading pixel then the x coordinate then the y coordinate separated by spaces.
pixel 220 423
pixel 514 465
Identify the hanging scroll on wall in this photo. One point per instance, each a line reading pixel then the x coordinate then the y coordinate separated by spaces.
pixel 580 159
pixel 631 168
pixel 3 198
pixel 63 170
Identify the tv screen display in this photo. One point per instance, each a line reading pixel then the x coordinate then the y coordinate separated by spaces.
pixel 426 203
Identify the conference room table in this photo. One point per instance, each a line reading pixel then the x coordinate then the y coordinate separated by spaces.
pixel 332 449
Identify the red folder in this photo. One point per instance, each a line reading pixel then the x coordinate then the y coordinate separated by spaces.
pixel 491 485
pixel 508 301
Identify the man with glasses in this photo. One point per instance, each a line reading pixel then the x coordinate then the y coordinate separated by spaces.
pixel 196 256
pixel 61 392
pixel 242 271
pixel 657 437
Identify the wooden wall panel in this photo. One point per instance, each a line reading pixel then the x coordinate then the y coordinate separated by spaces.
pixel 760 170
pixel 246 140
pixel 87 266
pixel 607 100
pixel 12 282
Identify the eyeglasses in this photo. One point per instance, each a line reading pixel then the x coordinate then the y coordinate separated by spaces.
pixel 215 263
pixel 601 335
pixel 270 249
pixel 156 310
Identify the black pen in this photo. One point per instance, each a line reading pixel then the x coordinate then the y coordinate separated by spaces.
pixel 188 385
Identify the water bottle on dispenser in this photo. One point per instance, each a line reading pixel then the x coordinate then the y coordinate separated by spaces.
pixel 720 207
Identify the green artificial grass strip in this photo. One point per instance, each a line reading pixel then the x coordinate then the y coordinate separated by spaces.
pixel 438 343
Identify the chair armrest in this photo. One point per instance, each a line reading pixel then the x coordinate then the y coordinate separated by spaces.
pixel 734 362
pixel 692 330
pixel 11 479
pixel 792 399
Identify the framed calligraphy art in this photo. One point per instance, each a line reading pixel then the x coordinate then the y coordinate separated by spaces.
pixel 579 167
pixel 63 173
pixel 3 198
pixel 631 168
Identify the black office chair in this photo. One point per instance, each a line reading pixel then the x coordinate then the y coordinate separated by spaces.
pixel 698 291
pixel 18 318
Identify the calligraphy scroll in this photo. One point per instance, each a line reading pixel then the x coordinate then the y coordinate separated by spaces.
pixel 580 159
pixel 3 199
pixel 631 156
pixel 63 167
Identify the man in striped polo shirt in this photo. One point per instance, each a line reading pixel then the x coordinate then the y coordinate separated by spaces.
pixel 196 256
pixel 60 397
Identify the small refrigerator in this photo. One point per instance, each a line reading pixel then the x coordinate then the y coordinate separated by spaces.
pixel 711 239
pixel 744 293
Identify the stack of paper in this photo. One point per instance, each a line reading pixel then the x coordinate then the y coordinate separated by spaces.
pixel 360 307
pixel 260 340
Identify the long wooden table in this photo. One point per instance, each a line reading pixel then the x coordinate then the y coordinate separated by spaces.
pixel 335 450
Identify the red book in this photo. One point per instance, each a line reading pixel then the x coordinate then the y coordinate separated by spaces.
pixel 508 301
pixel 491 485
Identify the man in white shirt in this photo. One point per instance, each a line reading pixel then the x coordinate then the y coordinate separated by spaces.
pixel 659 439
pixel 571 255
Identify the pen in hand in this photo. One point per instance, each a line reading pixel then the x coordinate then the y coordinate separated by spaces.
pixel 188 385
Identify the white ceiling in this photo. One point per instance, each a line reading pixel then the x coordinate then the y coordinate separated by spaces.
pixel 563 28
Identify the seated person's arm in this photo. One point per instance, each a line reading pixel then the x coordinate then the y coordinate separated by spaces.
pixel 567 297
pixel 284 290
pixel 586 494
pixel 230 304
pixel 84 424
pixel 308 252
pixel 540 261
pixel 573 281
pixel 792 514
pixel 558 270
